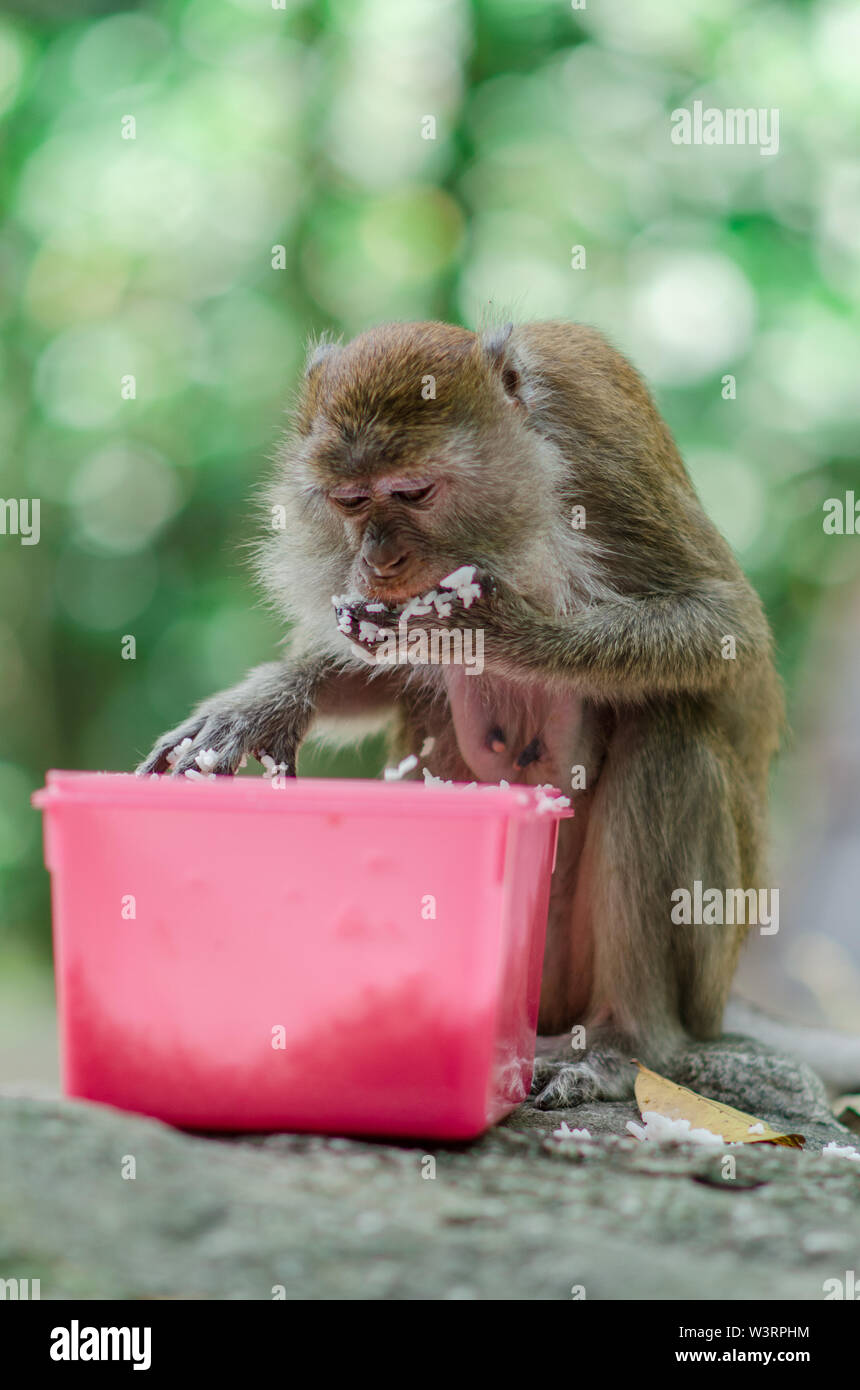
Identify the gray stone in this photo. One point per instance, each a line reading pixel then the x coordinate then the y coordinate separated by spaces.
pixel 516 1215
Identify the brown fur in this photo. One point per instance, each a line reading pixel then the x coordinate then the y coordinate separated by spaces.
pixel 602 646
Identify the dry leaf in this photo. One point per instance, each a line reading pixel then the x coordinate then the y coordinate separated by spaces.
pixel 655 1092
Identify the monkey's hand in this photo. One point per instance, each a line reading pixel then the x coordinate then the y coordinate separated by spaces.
pixel 213 740
pixel 467 598
pixel 470 602
pixel 366 622
pixel 266 716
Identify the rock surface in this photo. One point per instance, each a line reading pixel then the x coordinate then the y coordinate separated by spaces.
pixel 516 1215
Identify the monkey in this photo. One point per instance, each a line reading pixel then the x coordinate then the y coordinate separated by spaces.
pixel 620 638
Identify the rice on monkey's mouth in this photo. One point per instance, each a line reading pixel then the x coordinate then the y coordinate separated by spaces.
pixel 460 581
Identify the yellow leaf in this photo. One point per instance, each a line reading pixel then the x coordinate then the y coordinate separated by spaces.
pixel 655 1092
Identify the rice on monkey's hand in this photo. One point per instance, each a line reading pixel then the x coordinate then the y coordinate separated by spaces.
pixel 466 599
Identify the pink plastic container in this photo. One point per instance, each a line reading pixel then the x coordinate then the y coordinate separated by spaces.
pixel 341 956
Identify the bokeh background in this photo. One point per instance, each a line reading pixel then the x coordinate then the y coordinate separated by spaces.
pixel 302 126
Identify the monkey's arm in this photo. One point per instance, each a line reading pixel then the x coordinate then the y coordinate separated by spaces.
pixel 633 647
pixel 627 648
pixel 270 711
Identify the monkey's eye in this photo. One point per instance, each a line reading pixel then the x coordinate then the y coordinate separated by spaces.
pixel 349 504
pixel 414 494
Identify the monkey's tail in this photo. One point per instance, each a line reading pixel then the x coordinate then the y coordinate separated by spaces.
pixel 834 1056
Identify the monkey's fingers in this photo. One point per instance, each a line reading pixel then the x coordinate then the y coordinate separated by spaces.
pixel 277 752
pixel 365 612
pixel 159 760
pixel 217 748
pixel 156 761
pixel 365 634
pixel 468 582
pixel 447 611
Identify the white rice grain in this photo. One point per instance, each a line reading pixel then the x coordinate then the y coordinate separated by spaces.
pixel 178 752
pixel 660 1128
pixel 842 1151
pixel 547 803
pixel 458 579
pixel 417 607
pixel 393 774
pixel 468 594
pixel 564 1133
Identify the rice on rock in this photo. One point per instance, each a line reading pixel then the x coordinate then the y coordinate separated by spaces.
pixel 660 1128
pixel 842 1151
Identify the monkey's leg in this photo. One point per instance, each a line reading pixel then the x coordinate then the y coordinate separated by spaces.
pixel 666 812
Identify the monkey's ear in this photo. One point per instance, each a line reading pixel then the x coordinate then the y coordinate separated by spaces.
pixel 318 352
pixel 504 359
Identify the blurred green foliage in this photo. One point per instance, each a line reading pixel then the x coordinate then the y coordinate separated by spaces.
pixel 302 126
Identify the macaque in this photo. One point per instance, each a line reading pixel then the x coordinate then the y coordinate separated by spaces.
pixel 620 640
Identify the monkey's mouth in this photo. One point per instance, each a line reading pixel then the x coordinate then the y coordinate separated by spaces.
pixel 399 591
pixel 391 597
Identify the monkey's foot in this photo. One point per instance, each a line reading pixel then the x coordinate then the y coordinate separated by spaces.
pixel 601 1075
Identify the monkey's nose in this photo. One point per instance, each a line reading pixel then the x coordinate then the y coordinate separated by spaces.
pixel 385 568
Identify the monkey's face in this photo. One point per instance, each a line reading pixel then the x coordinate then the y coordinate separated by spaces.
pixel 391 524
pixel 409 451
